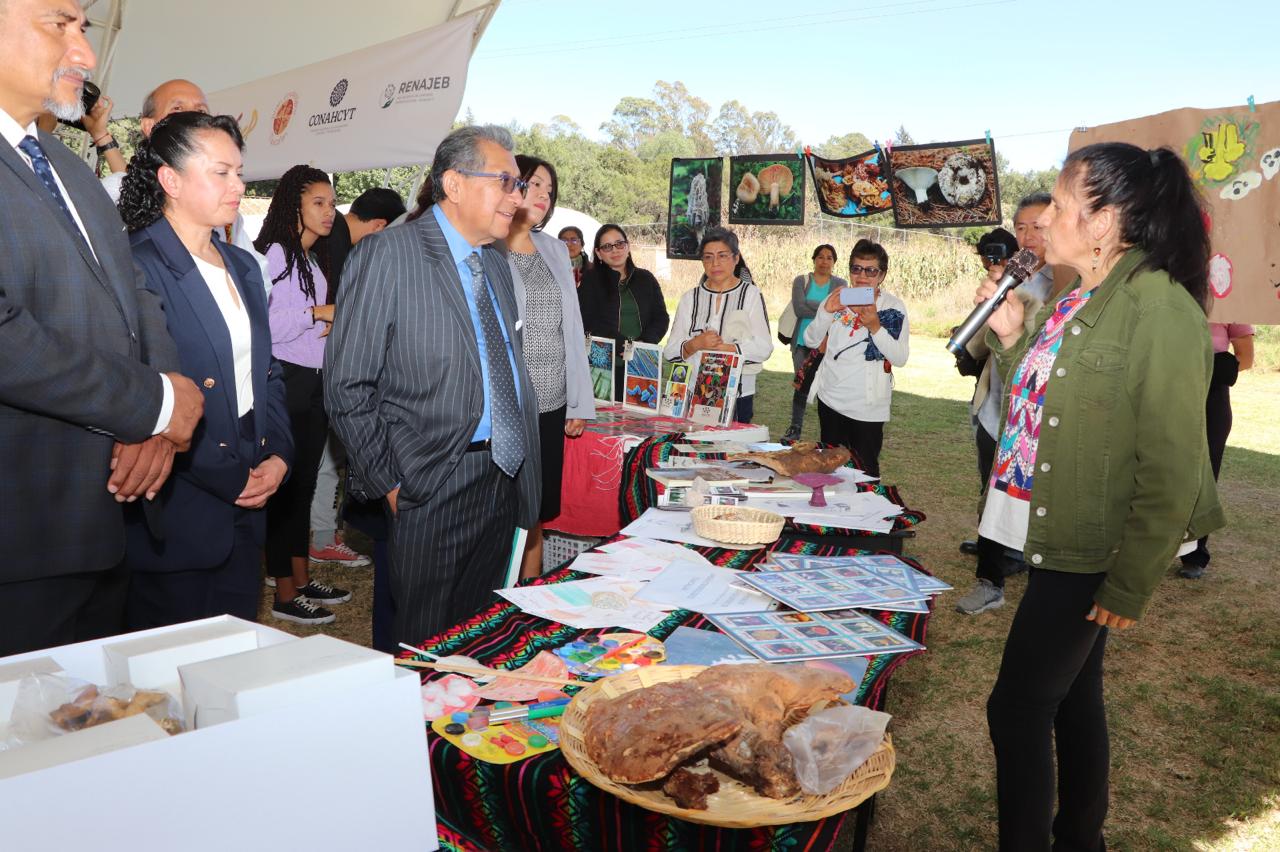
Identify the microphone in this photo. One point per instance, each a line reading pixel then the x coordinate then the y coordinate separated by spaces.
pixel 1019 269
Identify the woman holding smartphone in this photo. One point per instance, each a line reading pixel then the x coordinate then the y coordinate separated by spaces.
pixel 865 330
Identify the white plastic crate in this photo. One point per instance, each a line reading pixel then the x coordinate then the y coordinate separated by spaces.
pixel 558 548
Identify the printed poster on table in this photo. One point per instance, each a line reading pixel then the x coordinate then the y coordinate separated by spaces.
pixel 600 365
pixel 851 187
pixel 675 389
pixel 693 204
pixel 945 185
pixel 766 189
pixel 642 371
pixel 1234 156
pixel 780 637
pixel 715 388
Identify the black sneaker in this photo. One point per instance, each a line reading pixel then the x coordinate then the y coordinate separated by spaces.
pixel 318 592
pixel 1191 571
pixel 301 611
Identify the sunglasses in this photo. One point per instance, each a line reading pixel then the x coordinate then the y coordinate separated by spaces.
pixel 869 271
pixel 510 183
pixel 620 244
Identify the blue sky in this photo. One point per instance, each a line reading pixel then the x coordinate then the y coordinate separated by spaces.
pixel 1027 70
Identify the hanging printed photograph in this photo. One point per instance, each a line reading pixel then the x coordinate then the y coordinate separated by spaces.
pixel 694 204
pixel 715 388
pixel 949 185
pixel 852 187
pixel 766 189
pixel 600 363
pixel 675 389
pixel 642 369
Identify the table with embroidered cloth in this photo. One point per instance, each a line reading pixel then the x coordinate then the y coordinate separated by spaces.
pixel 638 492
pixel 542 805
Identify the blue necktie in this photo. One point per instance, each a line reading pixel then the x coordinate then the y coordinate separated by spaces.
pixel 40 163
pixel 504 406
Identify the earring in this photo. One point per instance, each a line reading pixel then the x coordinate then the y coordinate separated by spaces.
pixel 1097 256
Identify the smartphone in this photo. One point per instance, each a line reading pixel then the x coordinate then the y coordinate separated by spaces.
pixel 857 295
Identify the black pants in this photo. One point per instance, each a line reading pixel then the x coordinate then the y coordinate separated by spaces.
pixel 986 456
pixel 863 438
pixel 372 519
pixel 289 509
pixel 745 409
pixel 1217 412
pixel 53 611
pixel 449 553
pixel 800 397
pixel 1050 690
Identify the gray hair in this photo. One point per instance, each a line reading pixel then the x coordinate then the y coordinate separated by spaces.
pixel 149 103
pixel 1035 199
pixel 460 151
pixel 719 235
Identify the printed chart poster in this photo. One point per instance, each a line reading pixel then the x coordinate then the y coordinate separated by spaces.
pixel 947 185
pixel 675 389
pixel 642 371
pixel 767 189
pixel 852 187
pixel 1234 157
pixel 600 363
pixel 694 204
pixel 780 637
pixel 715 388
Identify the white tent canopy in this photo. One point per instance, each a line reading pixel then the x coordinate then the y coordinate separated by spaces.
pixel 141 43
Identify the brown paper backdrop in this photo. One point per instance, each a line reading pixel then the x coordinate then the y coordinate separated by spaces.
pixel 1236 151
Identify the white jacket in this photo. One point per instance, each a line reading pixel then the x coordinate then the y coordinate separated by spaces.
pixel 738 315
pixel 846 381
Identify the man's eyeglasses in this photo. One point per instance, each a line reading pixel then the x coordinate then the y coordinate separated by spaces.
pixel 869 271
pixel 510 183
pixel 620 244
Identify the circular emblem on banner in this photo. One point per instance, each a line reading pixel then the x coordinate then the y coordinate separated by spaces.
pixel 388 95
pixel 339 92
pixel 282 116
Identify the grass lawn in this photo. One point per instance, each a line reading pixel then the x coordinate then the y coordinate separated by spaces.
pixel 1193 691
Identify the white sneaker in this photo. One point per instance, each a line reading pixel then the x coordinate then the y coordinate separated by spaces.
pixel 984 596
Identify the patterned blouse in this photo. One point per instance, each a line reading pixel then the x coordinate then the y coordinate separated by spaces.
pixel 543 337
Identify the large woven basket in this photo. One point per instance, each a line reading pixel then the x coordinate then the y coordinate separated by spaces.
pixel 735 805
pixel 737 524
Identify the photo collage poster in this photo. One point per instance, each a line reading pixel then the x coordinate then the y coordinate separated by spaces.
pixel 642 376
pixel 781 636
pixel 945 185
pixel 766 189
pixel 715 388
pixel 675 388
pixel 600 365
pixel 693 204
pixel 852 187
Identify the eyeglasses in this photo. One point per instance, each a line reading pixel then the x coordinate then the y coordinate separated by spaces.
pixel 510 183
pixel 869 271
pixel 620 244
pixel 724 255
pixel 571 240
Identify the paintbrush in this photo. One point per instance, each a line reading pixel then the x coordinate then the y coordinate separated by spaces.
pixel 483 672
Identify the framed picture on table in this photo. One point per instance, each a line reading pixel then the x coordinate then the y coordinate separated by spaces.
pixel 600 365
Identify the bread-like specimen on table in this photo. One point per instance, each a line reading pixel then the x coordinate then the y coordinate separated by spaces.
pixel 804 457
pixel 690 789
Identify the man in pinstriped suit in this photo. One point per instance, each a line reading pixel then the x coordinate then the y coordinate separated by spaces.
pixel 425 385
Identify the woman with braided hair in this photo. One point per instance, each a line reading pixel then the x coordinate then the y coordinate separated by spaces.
pixel 292 239
pixel 182 186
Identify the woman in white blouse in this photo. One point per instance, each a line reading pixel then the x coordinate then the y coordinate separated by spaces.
pixel 725 312
pixel 865 341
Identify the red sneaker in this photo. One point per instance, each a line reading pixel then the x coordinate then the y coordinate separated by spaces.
pixel 338 552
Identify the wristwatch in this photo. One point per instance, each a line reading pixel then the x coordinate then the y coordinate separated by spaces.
pixel 102 149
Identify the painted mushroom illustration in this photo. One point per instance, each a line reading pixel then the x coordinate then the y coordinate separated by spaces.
pixel 817 481
pixel 748 188
pixel 777 181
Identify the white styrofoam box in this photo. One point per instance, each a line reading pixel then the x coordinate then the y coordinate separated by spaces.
pixel 11 677
pixel 307 670
pixel 558 548
pixel 79 745
pixel 151 662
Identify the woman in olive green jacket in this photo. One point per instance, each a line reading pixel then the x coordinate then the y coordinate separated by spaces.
pixel 1101 473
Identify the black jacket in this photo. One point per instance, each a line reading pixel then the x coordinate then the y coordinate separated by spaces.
pixel 598 298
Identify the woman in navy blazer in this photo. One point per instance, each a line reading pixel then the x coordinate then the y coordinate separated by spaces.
pixel 182 186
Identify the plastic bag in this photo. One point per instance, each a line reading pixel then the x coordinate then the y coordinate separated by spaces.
pixel 51 705
pixel 829 745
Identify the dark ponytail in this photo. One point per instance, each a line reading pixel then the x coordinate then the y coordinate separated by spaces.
pixel 1159 208
pixel 171 143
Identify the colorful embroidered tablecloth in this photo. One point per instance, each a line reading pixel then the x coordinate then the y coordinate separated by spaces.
pixel 542 805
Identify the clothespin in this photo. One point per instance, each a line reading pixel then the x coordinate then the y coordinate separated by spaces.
pixel 888 147
pixel 808 152
pixel 988 137
pixel 1252 107
pixel 800 152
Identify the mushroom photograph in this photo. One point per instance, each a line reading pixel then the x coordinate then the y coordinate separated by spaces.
pixel 693 204
pixel 766 190
pixel 853 186
pixel 946 185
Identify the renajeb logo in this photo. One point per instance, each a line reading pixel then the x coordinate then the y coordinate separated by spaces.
pixel 388 95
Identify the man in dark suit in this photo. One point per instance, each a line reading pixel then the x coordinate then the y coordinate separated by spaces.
pixel 426 386
pixel 89 418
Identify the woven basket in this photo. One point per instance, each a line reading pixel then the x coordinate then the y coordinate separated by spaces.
pixel 735 805
pixel 737 524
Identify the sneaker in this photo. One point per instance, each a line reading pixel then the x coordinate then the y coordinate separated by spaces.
pixel 791 435
pixel 318 592
pixel 969 547
pixel 301 611
pixel 337 552
pixel 1191 571
pixel 984 596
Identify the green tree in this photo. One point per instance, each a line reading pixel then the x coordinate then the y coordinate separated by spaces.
pixel 839 147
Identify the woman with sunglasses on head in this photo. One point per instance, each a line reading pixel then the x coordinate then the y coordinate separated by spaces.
pixel 553 350
pixel 620 300
pixel 725 312
pixel 571 236
pixel 865 340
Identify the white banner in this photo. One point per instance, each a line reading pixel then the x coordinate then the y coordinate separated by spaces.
pixel 386 105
